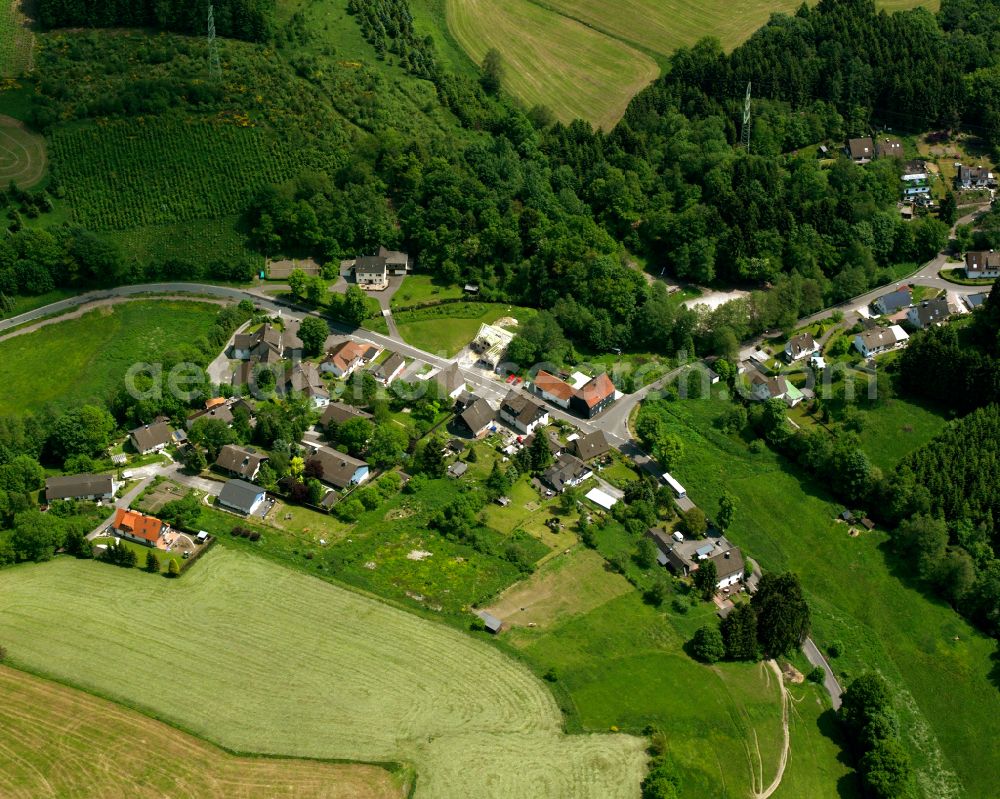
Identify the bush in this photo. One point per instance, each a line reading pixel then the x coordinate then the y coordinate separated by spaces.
pixel 707 646
pixel 817 675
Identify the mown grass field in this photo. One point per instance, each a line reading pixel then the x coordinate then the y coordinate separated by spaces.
pixel 896 428
pixel 553 60
pixel 445 329
pixel 420 289
pixel 861 595
pixel 587 58
pixel 283 664
pixel 86 358
pixel 22 154
pixel 62 742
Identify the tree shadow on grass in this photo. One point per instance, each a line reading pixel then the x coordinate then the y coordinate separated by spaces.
pixel 848 786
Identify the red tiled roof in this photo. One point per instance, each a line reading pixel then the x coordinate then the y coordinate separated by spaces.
pixel 137 524
pixel 598 389
pixel 550 384
pixel 344 355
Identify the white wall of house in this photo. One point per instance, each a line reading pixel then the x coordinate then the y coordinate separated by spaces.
pixel 731 580
pixel 562 403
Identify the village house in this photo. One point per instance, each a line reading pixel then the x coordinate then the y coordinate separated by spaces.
pixel 224 412
pixel 982 264
pixel 81 486
pixel 138 527
pixel 241 462
pixel 242 497
pixel 801 346
pixel 373 271
pixel 915 180
pixel 151 437
pixel 267 344
pixel 889 148
pixel 339 412
pixel 551 388
pixel 974 177
pixel 591 445
pixel 389 369
pixel 523 413
pixel 476 418
pixel 876 340
pixel 686 557
pixel 894 301
pixel 343 359
pixel 339 470
pixel 303 379
pixel 763 388
pixel 861 150
pixel 594 396
pixel 929 312
pixel 568 471
pixel 449 381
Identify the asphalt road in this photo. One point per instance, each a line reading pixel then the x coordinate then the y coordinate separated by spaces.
pixel 814 656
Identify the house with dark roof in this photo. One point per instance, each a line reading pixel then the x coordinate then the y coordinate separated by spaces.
pixel 151 437
pixel 340 412
pixel 265 343
pixel 449 381
pixel 338 469
pixel 877 339
pixel 303 379
pixel 457 469
pixel 861 150
pixel 568 471
pixel 81 486
pixel 894 301
pixel 373 271
pixel 974 177
pixel 242 497
pixel 553 389
pixel 929 312
pixel 684 557
pixel 887 147
pixel 476 419
pixel 389 369
pixel 522 412
pixel 224 412
pixel 138 527
pixel 241 462
pixel 763 388
pixel 801 346
pixel 983 264
pixel 591 445
pixel 594 396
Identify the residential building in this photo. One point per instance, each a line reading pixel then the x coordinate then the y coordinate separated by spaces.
pixel 522 412
pixel 450 382
pixel 878 339
pixel 241 462
pixel 594 396
pixel 339 412
pixel 551 388
pixel 686 557
pixel 476 419
pixel 151 437
pixel 861 150
pixel 138 527
pixel 763 388
pixel 338 469
pixel 800 346
pixel 915 180
pixel 551 438
pixel 374 271
pixel 264 344
pixel 389 369
pixel 974 177
pixel 81 486
pixel 888 148
pixel 568 471
pixel 894 301
pixel 342 360
pixel 592 445
pixel 242 497
pixel 929 312
pixel 303 378
pixel 457 469
pixel 983 264
pixel 226 412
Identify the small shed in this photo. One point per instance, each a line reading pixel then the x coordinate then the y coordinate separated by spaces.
pixel 503 502
pixel 202 536
pixel 846 515
pixel 867 523
pixel 493 624
pixel 457 469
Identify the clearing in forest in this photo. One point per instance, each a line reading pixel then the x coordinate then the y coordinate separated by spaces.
pixel 22 154
pixel 285 664
pixel 63 742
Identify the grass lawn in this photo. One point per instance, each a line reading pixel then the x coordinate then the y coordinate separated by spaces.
pixel 895 428
pixel 445 329
pixel 860 595
pixel 85 359
pixel 419 289
pixel 49 726
pixel 371 682
pixel 141 552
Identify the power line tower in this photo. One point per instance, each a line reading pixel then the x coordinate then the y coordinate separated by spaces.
pixel 746 121
pixel 214 65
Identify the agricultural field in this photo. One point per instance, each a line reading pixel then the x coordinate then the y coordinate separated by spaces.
pixel 786 521
pixel 199 241
pixel 587 58
pixel 63 742
pixel 16 40
pixel 84 359
pixel 372 683
pixel 122 174
pixel 446 329
pixel 22 154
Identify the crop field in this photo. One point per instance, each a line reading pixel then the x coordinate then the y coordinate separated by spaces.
pixel 199 241
pixel 63 742
pixel 284 664
pixel 446 329
pixel 16 40
pixel 587 58
pixel 22 154
pixel 552 60
pixel 122 174
pixel 785 521
pixel 86 358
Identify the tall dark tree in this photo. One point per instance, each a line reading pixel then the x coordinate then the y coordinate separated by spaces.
pixel 783 620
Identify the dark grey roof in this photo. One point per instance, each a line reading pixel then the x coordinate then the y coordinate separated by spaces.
pixel 150 436
pixel 78 485
pixel 931 311
pixel 803 342
pixel 566 469
pixel 493 624
pixel 523 407
pixel 477 416
pixel 592 445
pixel 240 460
pixel 975 300
pixel 340 412
pixel 458 468
pixel 338 468
pixel 240 494
pixel 895 300
pixel 449 379
pixel 385 369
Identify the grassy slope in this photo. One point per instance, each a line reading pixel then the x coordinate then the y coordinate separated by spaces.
pixel 85 359
pixel 861 596
pixel 58 743
pixel 896 428
pixel 284 664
